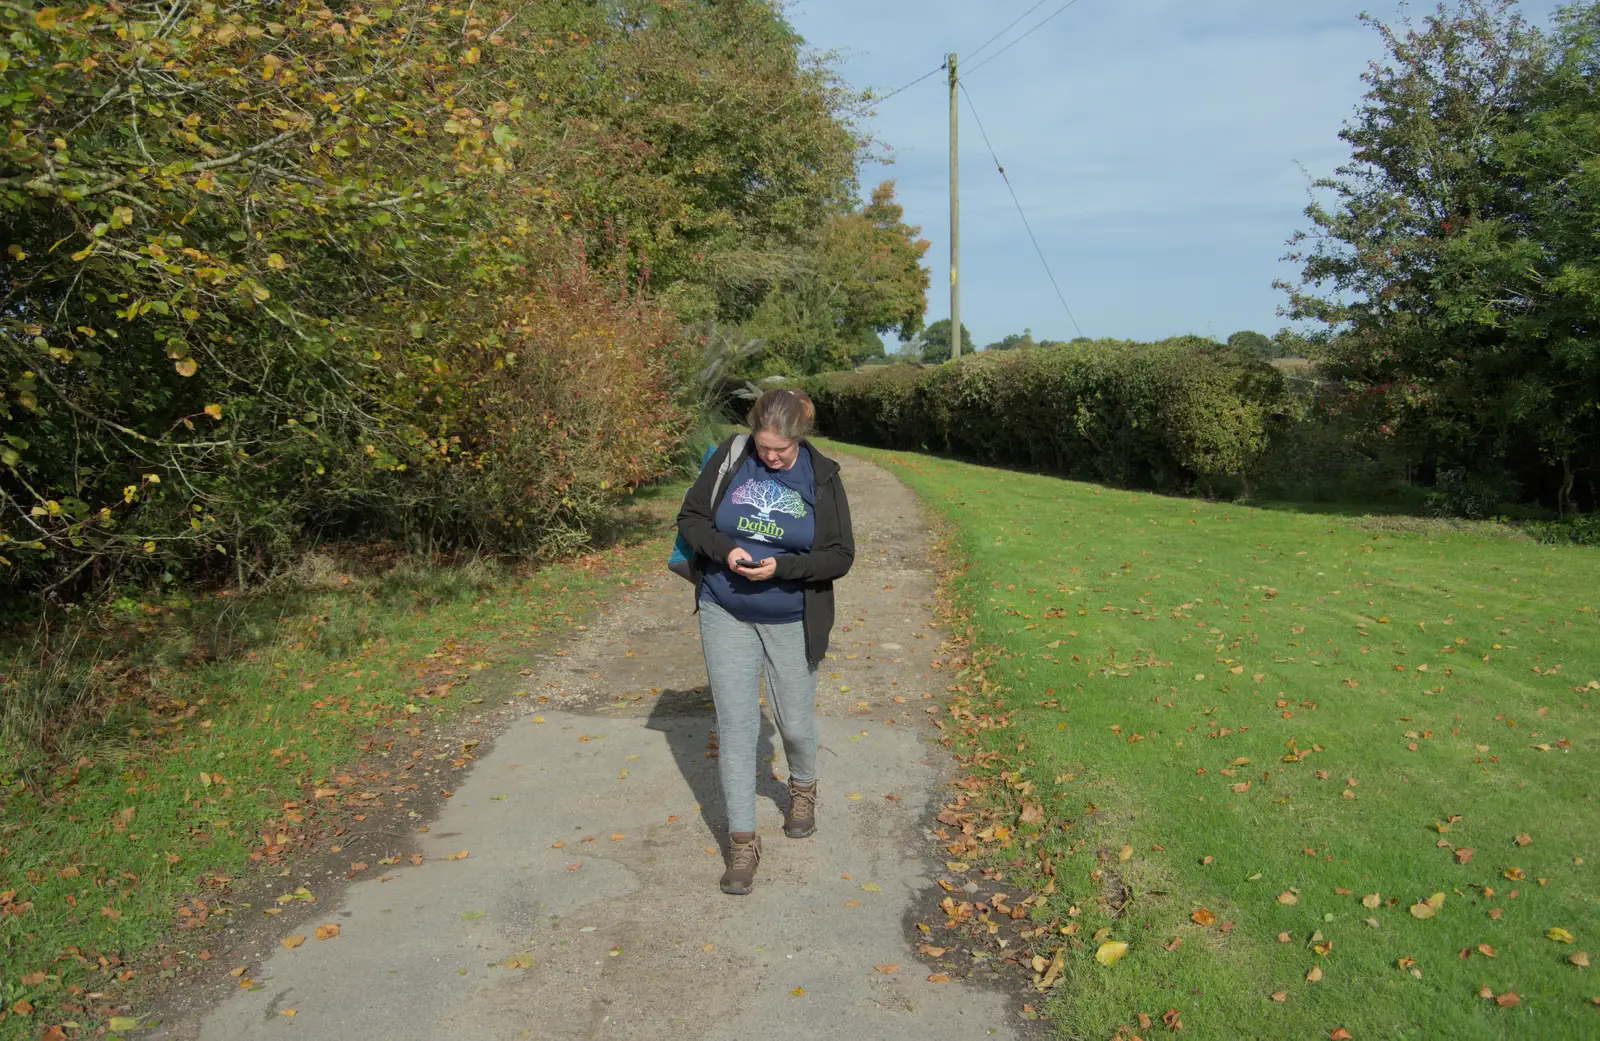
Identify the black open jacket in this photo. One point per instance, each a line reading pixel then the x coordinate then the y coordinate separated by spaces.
pixel 833 548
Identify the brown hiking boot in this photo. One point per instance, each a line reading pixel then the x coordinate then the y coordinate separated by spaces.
pixel 743 856
pixel 800 820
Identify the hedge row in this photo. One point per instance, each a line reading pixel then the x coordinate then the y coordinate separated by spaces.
pixel 1146 415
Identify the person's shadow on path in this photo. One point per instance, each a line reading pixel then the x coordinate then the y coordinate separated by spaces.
pixel 688 718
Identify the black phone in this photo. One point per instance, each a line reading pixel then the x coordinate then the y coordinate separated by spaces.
pixel 747 565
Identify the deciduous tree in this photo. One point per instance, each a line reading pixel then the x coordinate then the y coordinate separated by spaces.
pixel 1456 259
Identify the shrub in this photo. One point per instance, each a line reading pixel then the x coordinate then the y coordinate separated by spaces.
pixel 1143 415
pixel 525 437
pixel 1458 493
pixel 1583 530
pixel 1332 450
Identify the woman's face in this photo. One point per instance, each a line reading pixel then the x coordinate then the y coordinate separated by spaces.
pixel 776 451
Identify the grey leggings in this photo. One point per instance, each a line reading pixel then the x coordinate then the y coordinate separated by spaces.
pixel 736 653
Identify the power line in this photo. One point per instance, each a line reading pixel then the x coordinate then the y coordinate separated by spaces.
pixel 1037 249
pixel 899 90
pixel 1024 36
pixel 1007 29
pixel 984 46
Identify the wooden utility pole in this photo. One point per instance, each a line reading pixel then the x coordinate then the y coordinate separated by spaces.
pixel 955 217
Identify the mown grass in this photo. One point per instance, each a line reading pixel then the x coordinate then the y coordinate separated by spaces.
pixel 1264 706
pixel 206 758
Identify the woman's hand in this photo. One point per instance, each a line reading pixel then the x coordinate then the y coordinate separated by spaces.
pixel 762 573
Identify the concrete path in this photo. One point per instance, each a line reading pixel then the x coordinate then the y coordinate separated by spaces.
pixel 588 906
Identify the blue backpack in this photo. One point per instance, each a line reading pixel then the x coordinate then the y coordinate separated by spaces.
pixel 682 559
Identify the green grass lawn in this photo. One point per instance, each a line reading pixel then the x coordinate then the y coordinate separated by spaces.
pixel 1273 715
pixel 214 767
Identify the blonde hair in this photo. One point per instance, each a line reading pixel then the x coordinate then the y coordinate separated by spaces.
pixel 786 412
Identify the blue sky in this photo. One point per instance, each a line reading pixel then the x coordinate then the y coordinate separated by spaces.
pixel 1161 148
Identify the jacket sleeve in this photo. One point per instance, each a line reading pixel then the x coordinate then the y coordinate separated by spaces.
pixel 697 517
pixel 828 560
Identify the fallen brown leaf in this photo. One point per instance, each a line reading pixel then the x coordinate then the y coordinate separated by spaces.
pixel 328 931
pixel 291 942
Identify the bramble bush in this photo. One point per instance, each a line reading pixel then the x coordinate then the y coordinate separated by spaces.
pixel 1147 415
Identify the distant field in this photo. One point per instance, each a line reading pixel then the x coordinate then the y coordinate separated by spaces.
pixel 1299 730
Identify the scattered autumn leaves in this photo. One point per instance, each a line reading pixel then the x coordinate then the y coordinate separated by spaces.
pixel 1124 722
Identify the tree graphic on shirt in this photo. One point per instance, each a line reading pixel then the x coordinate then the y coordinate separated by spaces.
pixel 770 497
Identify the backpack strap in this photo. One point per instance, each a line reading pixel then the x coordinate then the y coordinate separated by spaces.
pixel 735 456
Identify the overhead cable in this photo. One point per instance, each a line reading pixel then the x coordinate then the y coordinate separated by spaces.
pixel 874 101
pixel 1024 36
pixel 1037 249
pixel 1002 32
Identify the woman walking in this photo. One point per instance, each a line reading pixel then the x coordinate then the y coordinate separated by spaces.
pixel 766 555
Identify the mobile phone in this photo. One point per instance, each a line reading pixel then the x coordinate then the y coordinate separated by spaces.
pixel 747 565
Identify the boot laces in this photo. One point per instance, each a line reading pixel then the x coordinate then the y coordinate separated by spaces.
pixel 745 855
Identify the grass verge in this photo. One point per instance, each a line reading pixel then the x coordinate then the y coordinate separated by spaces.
pixel 220 746
pixel 1323 780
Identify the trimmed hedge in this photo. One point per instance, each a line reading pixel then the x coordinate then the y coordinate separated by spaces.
pixel 1145 415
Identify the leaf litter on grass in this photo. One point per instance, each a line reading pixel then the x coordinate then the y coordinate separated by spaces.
pixel 1040 718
